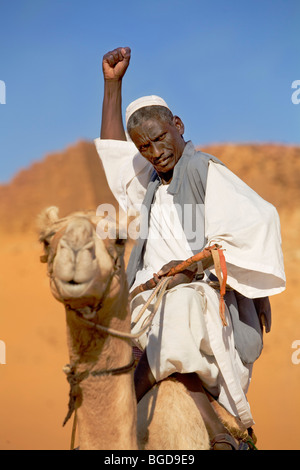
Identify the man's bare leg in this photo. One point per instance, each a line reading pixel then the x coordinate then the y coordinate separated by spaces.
pixel 213 425
pixel 143 377
pixel 144 381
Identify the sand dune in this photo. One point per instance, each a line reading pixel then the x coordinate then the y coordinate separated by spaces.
pixel 33 388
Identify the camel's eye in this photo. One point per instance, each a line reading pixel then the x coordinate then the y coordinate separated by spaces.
pixel 44 257
pixel 120 245
pixel 120 241
pixel 47 238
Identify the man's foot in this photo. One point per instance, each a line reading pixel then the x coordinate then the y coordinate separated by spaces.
pixel 224 441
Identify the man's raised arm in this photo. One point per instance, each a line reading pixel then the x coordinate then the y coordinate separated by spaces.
pixel 114 66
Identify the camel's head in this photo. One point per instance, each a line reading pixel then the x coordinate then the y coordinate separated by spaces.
pixel 83 268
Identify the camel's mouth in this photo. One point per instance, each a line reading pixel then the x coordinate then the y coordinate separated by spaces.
pixel 72 289
pixel 75 270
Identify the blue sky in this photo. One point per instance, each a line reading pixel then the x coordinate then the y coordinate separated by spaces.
pixel 224 66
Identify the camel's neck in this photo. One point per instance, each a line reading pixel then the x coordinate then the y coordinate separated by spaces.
pixel 106 405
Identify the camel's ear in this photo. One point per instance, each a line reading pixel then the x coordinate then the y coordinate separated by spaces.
pixel 46 218
pixel 44 221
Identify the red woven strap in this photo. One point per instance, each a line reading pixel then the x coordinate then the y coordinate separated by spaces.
pixel 137 353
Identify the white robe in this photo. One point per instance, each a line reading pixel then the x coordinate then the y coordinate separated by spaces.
pixel 247 227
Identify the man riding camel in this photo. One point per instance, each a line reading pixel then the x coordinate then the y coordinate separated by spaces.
pixel 190 200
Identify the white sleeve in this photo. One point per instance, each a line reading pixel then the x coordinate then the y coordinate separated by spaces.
pixel 127 172
pixel 248 229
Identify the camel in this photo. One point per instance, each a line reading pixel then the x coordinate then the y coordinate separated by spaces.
pixel 87 274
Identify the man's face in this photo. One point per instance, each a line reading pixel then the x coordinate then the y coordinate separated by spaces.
pixel 161 143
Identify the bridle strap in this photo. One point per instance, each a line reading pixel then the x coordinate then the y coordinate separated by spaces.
pixel 116 371
pixel 75 379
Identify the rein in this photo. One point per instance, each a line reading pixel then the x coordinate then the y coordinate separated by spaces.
pixel 219 262
pixel 158 291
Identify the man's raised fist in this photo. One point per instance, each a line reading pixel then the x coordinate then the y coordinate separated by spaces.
pixel 115 63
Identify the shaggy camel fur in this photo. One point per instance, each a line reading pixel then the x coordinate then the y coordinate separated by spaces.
pixel 87 275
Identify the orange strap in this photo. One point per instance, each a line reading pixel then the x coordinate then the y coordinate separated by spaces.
pixel 206 253
pixel 221 273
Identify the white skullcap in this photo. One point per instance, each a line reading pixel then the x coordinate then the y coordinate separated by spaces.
pixel 151 100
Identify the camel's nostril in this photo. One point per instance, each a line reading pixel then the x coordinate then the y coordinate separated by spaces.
pixel 92 251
